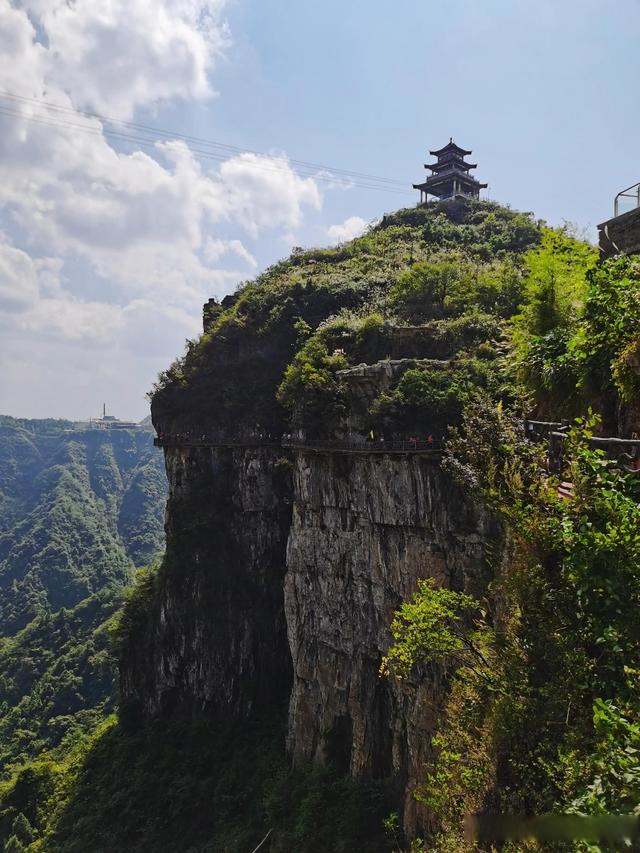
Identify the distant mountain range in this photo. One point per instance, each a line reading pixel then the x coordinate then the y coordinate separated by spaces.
pixel 80 510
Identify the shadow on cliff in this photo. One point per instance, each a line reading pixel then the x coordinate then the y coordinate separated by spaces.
pixel 191 788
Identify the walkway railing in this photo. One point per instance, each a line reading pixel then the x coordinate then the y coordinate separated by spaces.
pixel 536 430
pixel 625 452
pixel 186 440
pixel 622 452
pixel 410 445
pixel 627 200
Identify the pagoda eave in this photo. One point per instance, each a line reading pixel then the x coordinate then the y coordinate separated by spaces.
pixel 443 166
pixel 451 146
pixel 461 178
pixel 443 187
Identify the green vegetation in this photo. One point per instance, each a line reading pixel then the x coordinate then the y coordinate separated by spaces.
pixel 431 629
pixel 187 786
pixel 57 679
pixel 80 509
pixel 310 384
pixel 430 282
pixel 433 396
pixel 543 710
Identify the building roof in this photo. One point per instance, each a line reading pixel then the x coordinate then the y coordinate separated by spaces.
pixel 450 146
pixel 434 181
pixel 459 164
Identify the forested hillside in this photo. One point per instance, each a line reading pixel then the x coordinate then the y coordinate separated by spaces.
pixel 80 510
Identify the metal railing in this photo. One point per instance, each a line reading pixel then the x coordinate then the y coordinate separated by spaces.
pixel 186 440
pixel 622 452
pixel 410 445
pixel 627 200
pixel 359 445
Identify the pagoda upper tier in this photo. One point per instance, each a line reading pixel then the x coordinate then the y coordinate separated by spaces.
pixel 450 178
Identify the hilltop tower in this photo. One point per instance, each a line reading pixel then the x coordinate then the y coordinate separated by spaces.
pixel 450 178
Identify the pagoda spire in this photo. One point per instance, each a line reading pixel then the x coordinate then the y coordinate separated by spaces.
pixel 450 176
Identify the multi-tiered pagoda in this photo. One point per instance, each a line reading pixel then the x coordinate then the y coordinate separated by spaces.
pixel 450 178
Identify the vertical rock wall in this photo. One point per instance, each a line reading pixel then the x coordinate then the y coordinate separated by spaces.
pixel 279 587
pixel 365 528
pixel 215 643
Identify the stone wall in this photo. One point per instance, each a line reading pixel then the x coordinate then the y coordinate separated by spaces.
pixel 620 234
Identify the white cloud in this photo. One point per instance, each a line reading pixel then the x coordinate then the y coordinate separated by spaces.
pixel 265 192
pixel 117 55
pixel 150 226
pixel 352 227
pixel 139 218
pixel 23 279
pixel 215 250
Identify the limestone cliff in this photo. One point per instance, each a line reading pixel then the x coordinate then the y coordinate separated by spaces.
pixel 364 529
pixel 216 640
pixel 279 590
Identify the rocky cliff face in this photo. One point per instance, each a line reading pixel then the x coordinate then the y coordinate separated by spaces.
pixel 364 529
pixel 281 579
pixel 215 640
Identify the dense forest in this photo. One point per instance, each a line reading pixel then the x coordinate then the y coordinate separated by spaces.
pixel 81 509
pixel 495 317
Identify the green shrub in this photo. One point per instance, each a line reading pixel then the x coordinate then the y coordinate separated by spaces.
pixel 425 291
pixel 426 400
pixel 310 389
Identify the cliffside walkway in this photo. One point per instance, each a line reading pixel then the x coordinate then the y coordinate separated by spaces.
pixel 622 452
pixel 406 446
pixel 376 446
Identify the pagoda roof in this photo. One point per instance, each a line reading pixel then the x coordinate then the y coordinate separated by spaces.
pixel 458 164
pixel 451 175
pixel 443 180
pixel 450 146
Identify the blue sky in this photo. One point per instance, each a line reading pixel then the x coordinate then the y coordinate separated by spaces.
pixel 108 250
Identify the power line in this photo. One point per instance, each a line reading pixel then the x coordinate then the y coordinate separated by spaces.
pixel 196 139
pixel 151 144
pixel 142 137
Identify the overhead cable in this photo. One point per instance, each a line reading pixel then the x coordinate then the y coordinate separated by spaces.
pixel 147 136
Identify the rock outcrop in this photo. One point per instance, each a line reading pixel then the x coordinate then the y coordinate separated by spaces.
pixel 284 566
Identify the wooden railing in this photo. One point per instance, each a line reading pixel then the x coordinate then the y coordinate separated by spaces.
pixel 622 452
